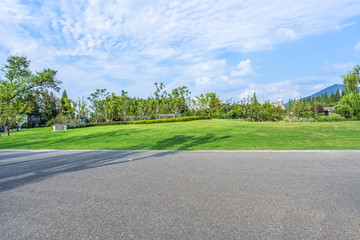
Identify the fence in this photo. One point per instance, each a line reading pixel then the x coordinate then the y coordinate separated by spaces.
pixel 162 116
pixel 71 122
pixel 158 116
pixel 137 118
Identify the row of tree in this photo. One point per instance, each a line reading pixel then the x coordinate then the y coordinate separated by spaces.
pixel 22 91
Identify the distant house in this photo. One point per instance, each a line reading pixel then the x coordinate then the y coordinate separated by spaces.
pixel 328 110
pixel 33 119
pixel 279 102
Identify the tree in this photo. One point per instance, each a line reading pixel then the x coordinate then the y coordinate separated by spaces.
pixel 298 108
pixel 332 98
pixel 159 94
pixel 215 103
pixel 141 106
pixel 326 98
pixel 98 105
pixel 81 108
pixel 11 115
pixel 123 103
pixel 350 105
pixel 195 105
pixel 352 80
pixel 178 99
pixel 62 101
pixel 227 107
pixel 112 106
pixel 203 103
pixel 149 105
pixel 255 107
pixel 68 108
pixel 337 96
pixel 17 85
pixel 350 102
pixel 49 106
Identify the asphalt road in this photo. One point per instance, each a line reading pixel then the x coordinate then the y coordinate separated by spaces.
pixel 179 195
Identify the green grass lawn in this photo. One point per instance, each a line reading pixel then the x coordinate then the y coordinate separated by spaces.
pixel 194 135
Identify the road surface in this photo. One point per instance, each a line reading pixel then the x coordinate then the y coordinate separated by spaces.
pixel 179 195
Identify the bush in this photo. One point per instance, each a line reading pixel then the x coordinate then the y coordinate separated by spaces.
pixel 166 120
pixel 26 125
pixel 329 118
pixel 50 123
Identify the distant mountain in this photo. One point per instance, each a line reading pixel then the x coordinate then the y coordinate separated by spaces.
pixel 329 90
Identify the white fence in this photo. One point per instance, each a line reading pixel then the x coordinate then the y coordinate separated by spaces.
pixel 137 118
pixel 70 122
pixel 162 116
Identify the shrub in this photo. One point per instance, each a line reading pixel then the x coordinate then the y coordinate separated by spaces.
pixel 166 120
pixel 26 125
pixel 329 118
pixel 50 123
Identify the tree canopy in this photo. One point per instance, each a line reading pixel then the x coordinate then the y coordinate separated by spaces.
pixel 18 85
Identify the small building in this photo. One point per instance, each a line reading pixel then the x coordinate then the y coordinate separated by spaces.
pixel 278 103
pixel 33 119
pixel 328 110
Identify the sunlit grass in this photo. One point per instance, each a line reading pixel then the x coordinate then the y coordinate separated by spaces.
pixel 196 135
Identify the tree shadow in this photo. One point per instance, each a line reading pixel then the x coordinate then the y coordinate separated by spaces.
pixel 72 141
pixel 19 168
pixel 38 166
pixel 181 142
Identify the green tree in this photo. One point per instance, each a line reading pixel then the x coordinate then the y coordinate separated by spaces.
pixel 49 106
pixel 326 98
pixel 81 108
pixel 159 94
pixel 18 85
pixel 68 108
pixel 337 96
pixel 195 105
pixel 62 101
pixel 352 80
pixel 124 103
pixel 149 105
pixel 112 106
pixel 350 102
pixel 350 105
pixel 227 107
pixel 204 102
pixel 141 106
pixel 98 105
pixel 255 107
pixel 178 98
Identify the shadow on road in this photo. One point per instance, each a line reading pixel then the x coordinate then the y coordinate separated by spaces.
pixel 21 168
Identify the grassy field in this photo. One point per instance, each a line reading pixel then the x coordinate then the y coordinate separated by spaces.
pixel 195 135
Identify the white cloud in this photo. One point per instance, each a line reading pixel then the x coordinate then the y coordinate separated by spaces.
pixel 357 47
pixel 284 34
pixel 243 69
pixel 203 81
pixel 338 67
pixel 133 43
pixel 289 89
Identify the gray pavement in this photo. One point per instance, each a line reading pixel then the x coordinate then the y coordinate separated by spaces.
pixel 179 195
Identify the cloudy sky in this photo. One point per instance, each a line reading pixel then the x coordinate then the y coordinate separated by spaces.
pixel 277 48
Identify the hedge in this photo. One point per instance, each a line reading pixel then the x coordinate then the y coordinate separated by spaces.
pixel 166 120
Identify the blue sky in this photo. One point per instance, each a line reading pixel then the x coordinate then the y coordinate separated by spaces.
pixel 278 48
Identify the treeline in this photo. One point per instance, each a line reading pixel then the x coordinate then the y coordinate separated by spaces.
pixel 104 106
pixel 22 91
